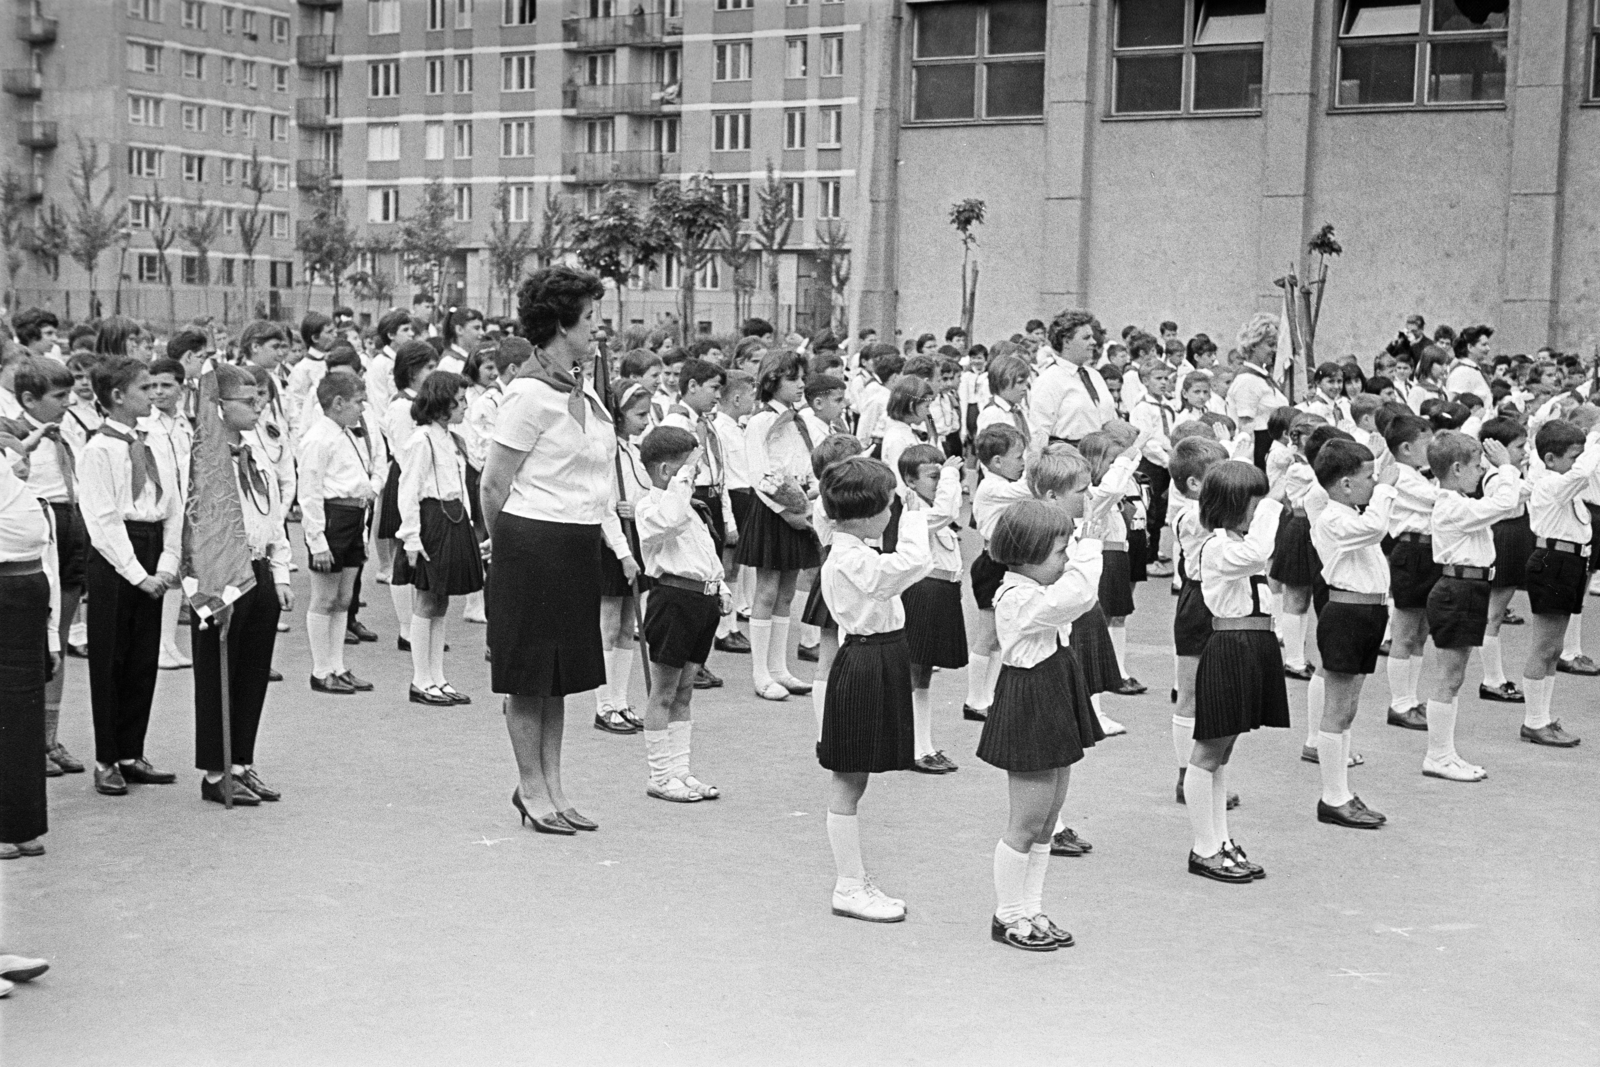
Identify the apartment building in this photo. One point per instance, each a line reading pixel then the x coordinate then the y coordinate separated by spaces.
pixel 188 106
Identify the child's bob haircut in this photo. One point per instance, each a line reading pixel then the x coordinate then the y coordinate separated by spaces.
pixel 409 359
pixel 1507 431
pixel 666 443
pixel 820 385
pixel 1006 371
pixel 333 386
pixel 780 366
pixel 1403 429
pixel 1027 533
pixel 995 440
pixel 638 361
pixel 1279 421
pixel 1191 428
pixel 832 449
pixel 907 393
pixel 1554 437
pixel 1191 458
pixel 1060 468
pixel 1321 436
pixel 436 396
pixel 913 459
pixel 1340 459
pixel 1448 448
pixel 1301 427
pixel 856 488
pixel 1227 491
pixel 1100 450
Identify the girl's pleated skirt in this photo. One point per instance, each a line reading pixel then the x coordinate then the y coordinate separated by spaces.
pixel 768 543
pixel 986 578
pixel 816 611
pixel 544 608
pixel 389 503
pixel 1294 557
pixel 936 631
pixel 454 563
pixel 866 713
pixel 1090 642
pixel 1041 717
pixel 613 582
pixel 1191 623
pixel 1116 582
pixel 1239 685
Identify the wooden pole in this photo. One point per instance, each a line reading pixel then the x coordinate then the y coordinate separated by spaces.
pixel 602 374
pixel 224 620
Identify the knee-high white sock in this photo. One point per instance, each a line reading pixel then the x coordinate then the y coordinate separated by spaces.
pixel 1219 803
pixel 1441 729
pixel 78 633
pixel 338 623
pixel 1335 774
pixel 1033 883
pixel 745 594
pixel 819 701
pixel 400 597
pixel 317 636
pixel 1537 694
pixel 1316 701
pixel 436 649
pixel 678 738
pixel 977 678
pixel 1119 645
pixel 1573 645
pixel 1416 677
pixel 602 693
pixel 1182 740
pixel 778 650
pixel 1494 670
pixel 1401 696
pixel 922 720
pixel 1197 799
pixel 421 651
pixel 621 680
pixel 1294 640
pixel 657 756
pixel 725 625
pixel 844 835
pixel 1010 883
pixel 810 635
pixel 991 678
pixel 760 643
pixel 1347 735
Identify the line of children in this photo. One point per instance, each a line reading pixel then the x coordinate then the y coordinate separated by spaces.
pixel 1000 449
pixel 170 436
pixel 619 570
pixel 831 450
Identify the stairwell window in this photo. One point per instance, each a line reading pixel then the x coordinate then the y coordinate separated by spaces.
pixel 1187 56
pixel 1417 53
pixel 977 62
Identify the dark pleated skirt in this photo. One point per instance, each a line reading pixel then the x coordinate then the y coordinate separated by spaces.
pixel 986 578
pixel 543 608
pixel 389 503
pixel 24 617
pixel 474 481
pixel 1138 550
pixel 1116 583
pixel 1239 685
pixel 613 582
pixel 1294 558
pixel 1513 543
pixel 1090 642
pixel 454 566
pixel 1191 623
pixel 816 611
pixel 768 543
pixel 936 631
pixel 1041 717
pixel 866 716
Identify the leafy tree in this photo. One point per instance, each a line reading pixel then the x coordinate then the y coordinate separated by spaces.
pixel 13 228
pixel 326 240
pixel 199 230
pixel 833 257
pixel 690 214
pixel 94 225
pixel 47 239
pixel 428 237
pixel 555 227
pixel 509 245
pixel 773 224
pixel 616 242
pixel 253 220
pixel 741 258
pixel 964 215
pixel 163 234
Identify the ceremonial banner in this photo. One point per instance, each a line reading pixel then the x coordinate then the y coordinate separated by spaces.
pixel 216 557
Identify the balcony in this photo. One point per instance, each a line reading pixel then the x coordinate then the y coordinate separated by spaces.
pixel 645 28
pixel 25 82
pixel 36 29
pixel 316 113
pixel 310 173
pixel 601 167
pixel 323 5
pixel 36 134
pixel 626 98
pixel 315 50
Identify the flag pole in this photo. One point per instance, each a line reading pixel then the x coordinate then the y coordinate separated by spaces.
pixel 602 374
pixel 224 620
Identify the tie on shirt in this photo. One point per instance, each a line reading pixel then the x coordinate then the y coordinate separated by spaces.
pixel 793 415
pixel 68 465
pixel 251 480
pixel 140 459
pixel 1088 383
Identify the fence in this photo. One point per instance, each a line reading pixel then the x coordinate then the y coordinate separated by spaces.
pixel 150 305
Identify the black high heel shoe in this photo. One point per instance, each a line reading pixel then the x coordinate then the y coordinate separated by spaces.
pixel 545 824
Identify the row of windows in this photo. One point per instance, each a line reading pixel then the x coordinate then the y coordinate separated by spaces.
pixel 142 216
pixel 731 60
pixel 223 271
pixel 150 59
pixel 383 16
pixel 151 111
pixel 194 167
pixel 383 203
pixel 196 14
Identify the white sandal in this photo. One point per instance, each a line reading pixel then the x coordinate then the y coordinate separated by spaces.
pixel 707 792
pixel 672 789
pixel 792 684
pixel 772 691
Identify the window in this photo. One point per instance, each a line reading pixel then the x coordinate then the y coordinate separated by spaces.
pixel 463 14
pixel 828 198
pixel 144 163
pixel 436 14
pixel 516 72
pixel 433 140
pixel 230 71
pixel 145 10
pixel 523 206
pixel 278 127
pixel 732 61
pixel 795 194
pixel 796 3
pixel 599 68
pixel 383 204
pixel 193 168
pixel 383 142
pixel 280 176
pixel 833 56
pixel 144 58
pixel 730 131
pixel 192 16
pixel 1195 56
pixel 666 66
pixel 194 118
pixel 280 224
pixel 735 5
pixel 463 140
pixel 463 199
pixel 794 129
pixel 383 16
pixel 280 30
pixel 516 138
pixel 383 78
pixel 193 65
pixel 229 171
pixel 247 124
pixel 1457 48
pixel 280 274
pixel 225 263
pixel 189 269
pixel 247 73
pixel 599 135
pixel 463 74
pixel 149 267
pixel 139 215
pixel 144 111
pixel 227 21
pixel 977 61
pixel 230 221
pixel 794 58
pixel 664 135
pixel 518 12
pixel 280 78
pixel 736 195
pixel 247 25
pixel 435 75
pixel 830 127
pixel 230 121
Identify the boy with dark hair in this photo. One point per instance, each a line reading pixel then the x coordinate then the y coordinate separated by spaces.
pixel 738 401
pixel 1412 571
pixel 666 394
pixel 1513 541
pixel 887 368
pixel 317 331
pixel 170 435
pixel 36 330
pixel 758 328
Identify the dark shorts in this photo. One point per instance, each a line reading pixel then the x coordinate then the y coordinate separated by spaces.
pixel 986 578
pixel 1412 574
pixel 72 545
pixel 1348 636
pixel 346 531
pixel 679 625
pixel 1458 612
pixel 1557 582
pixel 1513 541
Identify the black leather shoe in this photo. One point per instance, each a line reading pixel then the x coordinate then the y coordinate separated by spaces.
pixel 110 782
pixel 1504 694
pixel 359 629
pixel 545 824
pixel 1550 734
pixel 402 645
pixel 972 714
pixel 810 653
pixel 140 772
pixel 735 642
pixel 456 696
pixel 1302 673
pixel 1240 860
pixel 704 679
pixel 1131 687
pixel 351 639
pixel 252 781
pixel 1068 843
pixel 1511 618
pixel 430 696
pixel 358 684
pixel 1021 934
pixel 612 722
pixel 78 651
pixel 578 822
pixel 1362 804
pixel 273 676
pixel 331 684
pixel 1220 868
pixel 68 763
pixel 1383 649
pixel 50 769
pixel 1350 814
pixel 243 796
pixel 929 765
pixel 1044 925
pixel 1577 665
pixel 1411 719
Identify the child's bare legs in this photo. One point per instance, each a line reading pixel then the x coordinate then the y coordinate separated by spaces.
pixel 819 687
pixel 1442 760
pixel 983 667
pixel 1293 606
pixel 327 612
pixel 1408 631
pixel 1022 855
pixel 1333 747
pixel 1494 669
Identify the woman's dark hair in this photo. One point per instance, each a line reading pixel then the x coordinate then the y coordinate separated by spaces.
pixel 1027 532
pixel 410 358
pixel 391 322
pixel 552 299
pixel 1352 372
pixel 459 318
pixel 1226 493
pixel 1064 325
pixel 907 393
pixel 856 488
pixel 436 396
pixel 111 339
pixel 778 366
pixel 1469 337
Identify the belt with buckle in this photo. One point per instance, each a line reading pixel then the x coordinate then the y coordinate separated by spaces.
pixel 1113 546
pixel 946 576
pixel 346 502
pixel 1345 596
pixel 1415 537
pixel 1471 574
pixel 693 585
pixel 1247 622
pixel 17 567
pixel 1571 548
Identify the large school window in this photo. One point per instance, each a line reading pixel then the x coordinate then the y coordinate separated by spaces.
pixel 977 62
pixel 1174 57
pixel 1405 53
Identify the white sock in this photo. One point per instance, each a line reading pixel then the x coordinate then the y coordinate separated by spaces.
pixel 171 603
pixel 977 677
pixel 845 837
pixel 1335 774
pixel 1401 697
pixel 621 680
pixel 1573 645
pixel 1316 701
pixel 1294 640
pixel 746 593
pixel 317 637
pixel 474 607
pixel 1182 740
pixel 436 649
pixel 338 623
pixel 1038 864
pixel 819 700
pixel 1494 670
pixel 1197 798
pixel 922 720
pixel 1536 694
pixel 657 756
pixel 724 625
pixel 1415 684
pixel 1441 729
pixel 1219 804
pixel 991 678
pixel 778 650
pixel 1119 645
pixel 1010 883
pixel 678 734
pixel 602 694
pixel 760 642
pixel 421 653
pixel 78 634
pixel 810 636
pixel 400 597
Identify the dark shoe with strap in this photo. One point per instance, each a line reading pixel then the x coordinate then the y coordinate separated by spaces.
pixel 1242 861
pixel 456 696
pixel 358 684
pixel 704 679
pixel 1044 925
pixel 1506 693
pixel 332 684
pixel 810 653
pixel 1219 868
pixel 59 755
pixel 945 761
pixel 972 714
pixel 252 781
pixel 1350 814
pixel 735 642
pixel 1511 618
pixel 1067 843
pixel 110 782
pixel 1131 687
pixel 1021 934
pixel 359 630
pixel 243 796
pixel 1303 674
pixel 1577 665
pixel 1551 734
pixel 929 765
pixel 1411 719
pixel 139 771
pixel 612 722
pixel 431 696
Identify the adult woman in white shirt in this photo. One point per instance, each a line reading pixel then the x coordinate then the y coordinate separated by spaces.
pixel 547 487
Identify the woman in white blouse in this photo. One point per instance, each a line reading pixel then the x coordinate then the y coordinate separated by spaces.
pixel 547 487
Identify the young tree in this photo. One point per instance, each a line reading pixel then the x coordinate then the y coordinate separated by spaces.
pixel 774 222
pixel 555 227
pixel 46 240
pixel 199 230
pixel 252 220
pixel 94 224
pixel 428 237
pixel 326 240
pixel 616 242
pixel 158 217
pixel 964 215
pixel 740 256
pixel 690 214
pixel 833 259
pixel 13 228
pixel 509 245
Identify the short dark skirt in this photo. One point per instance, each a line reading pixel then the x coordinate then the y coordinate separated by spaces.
pixel 72 544
pixel 743 500
pixel 1294 557
pixel 544 608
pixel 768 543
pixel 1458 612
pixel 346 531
pixel 1116 584
pixel 1138 556
pixel 816 611
pixel 936 630
pixel 866 713
pixel 1349 635
pixel 613 582
pixel 454 563
pixel 1239 685
pixel 1557 582
pixel 1041 717
pixel 1191 623
pixel 1513 541
pixel 1594 541
pixel 1412 574
pixel 24 611
pixel 1090 642
pixel 474 483
pixel 986 578
pixel 389 503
